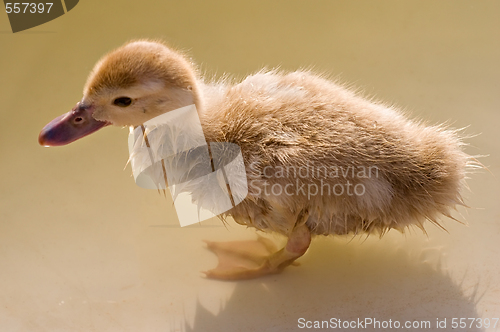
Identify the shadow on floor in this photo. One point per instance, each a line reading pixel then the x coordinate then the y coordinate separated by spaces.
pixel 345 282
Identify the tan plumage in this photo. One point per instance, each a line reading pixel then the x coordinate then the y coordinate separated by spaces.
pixel 298 119
pixel 294 121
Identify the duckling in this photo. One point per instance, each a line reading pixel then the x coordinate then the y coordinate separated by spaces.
pixel 319 158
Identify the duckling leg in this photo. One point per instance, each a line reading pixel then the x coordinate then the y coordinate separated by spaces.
pixel 252 259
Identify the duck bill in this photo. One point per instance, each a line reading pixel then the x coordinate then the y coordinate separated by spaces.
pixel 71 126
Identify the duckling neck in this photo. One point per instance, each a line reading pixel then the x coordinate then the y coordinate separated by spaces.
pixel 208 101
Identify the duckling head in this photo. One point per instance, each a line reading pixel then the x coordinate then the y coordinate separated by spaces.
pixel 127 87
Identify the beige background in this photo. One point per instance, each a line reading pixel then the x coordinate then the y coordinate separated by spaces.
pixel 82 248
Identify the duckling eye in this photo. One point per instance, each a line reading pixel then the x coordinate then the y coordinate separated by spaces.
pixel 122 101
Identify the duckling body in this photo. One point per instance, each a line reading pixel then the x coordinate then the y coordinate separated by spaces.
pixel 295 122
pixel 319 159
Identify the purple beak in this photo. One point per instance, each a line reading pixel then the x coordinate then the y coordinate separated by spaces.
pixel 71 126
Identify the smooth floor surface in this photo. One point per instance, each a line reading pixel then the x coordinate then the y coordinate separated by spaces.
pixel 82 248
